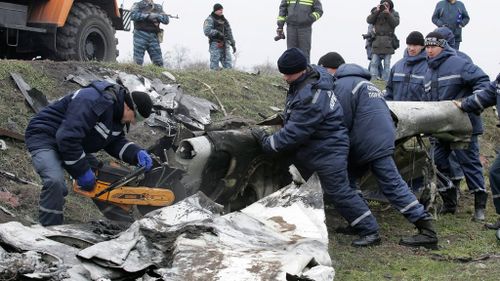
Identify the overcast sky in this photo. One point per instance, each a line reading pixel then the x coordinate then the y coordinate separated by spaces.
pixel 254 26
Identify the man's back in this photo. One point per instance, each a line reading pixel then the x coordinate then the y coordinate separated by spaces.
pixel 372 131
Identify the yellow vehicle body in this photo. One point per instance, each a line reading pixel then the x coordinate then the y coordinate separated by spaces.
pixel 81 30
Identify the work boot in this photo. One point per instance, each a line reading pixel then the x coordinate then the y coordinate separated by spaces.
pixel 495 225
pixel 450 201
pixel 480 198
pixel 367 240
pixel 347 230
pixel 426 236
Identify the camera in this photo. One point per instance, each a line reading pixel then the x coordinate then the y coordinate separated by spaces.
pixel 279 37
pixel 382 7
pixel 367 36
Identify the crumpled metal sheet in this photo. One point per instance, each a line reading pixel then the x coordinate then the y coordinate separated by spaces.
pixel 82 77
pixel 197 108
pixel 282 234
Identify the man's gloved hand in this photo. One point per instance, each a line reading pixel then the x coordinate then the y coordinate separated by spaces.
pixel 144 160
pixel 259 134
pixel 233 46
pixel 219 35
pixel 86 181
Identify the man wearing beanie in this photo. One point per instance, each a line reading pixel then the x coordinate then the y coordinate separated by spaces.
pixel 216 27
pixel 451 77
pixel 63 135
pixel 384 20
pixel 406 79
pixel 452 14
pixel 299 17
pixel 314 134
pixel 147 17
pixel 372 136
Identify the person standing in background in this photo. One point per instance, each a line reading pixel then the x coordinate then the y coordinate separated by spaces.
pixel 452 14
pixel 384 19
pixel 299 16
pixel 216 27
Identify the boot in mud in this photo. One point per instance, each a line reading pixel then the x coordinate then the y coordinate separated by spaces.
pixel 426 236
pixel 480 198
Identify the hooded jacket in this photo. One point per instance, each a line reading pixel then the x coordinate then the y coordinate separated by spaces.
pixel 384 25
pixel 85 121
pixel 483 99
pixel 366 115
pixel 406 80
pixel 450 38
pixel 454 16
pixel 313 124
pixel 450 77
pixel 299 13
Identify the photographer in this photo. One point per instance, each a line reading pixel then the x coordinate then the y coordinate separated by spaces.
pixel 384 20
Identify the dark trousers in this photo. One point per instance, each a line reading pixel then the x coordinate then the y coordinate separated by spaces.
pixel 468 160
pixel 347 201
pixel 392 186
pixel 299 37
pixel 495 183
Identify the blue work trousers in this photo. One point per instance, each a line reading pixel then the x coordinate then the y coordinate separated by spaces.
pixel 468 160
pixel 48 165
pixel 495 183
pixel 347 201
pixel 392 186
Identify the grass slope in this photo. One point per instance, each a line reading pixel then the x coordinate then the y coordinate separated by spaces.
pixel 468 252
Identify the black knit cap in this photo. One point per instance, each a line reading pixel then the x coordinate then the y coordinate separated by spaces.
pixel 391 5
pixel 218 7
pixel 331 60
pixel 435 39
pixel 142 103
pixel 292 61
pixel 415 38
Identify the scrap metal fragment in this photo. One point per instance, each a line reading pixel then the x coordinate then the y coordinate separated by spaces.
pixel 169 76
pixel 11 134
pixel 13 177
pixel 36 99
pixel 83 77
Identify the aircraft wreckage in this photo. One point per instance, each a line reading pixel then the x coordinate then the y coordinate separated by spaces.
pixel 226 213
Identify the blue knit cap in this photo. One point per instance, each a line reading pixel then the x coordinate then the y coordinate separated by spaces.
pixel 292 61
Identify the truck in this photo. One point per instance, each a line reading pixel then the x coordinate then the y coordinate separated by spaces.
pixel 82 30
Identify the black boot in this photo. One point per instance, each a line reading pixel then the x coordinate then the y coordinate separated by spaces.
pixel 367 240
pixel 450 200
pixel 426 236
pixel 347 230
pixel 494 225
pixel 480 198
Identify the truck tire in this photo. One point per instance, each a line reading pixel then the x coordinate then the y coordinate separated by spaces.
pixel 87 35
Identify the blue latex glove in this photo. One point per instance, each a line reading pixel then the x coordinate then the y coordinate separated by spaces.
pixel 144 160
pixel 86 181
